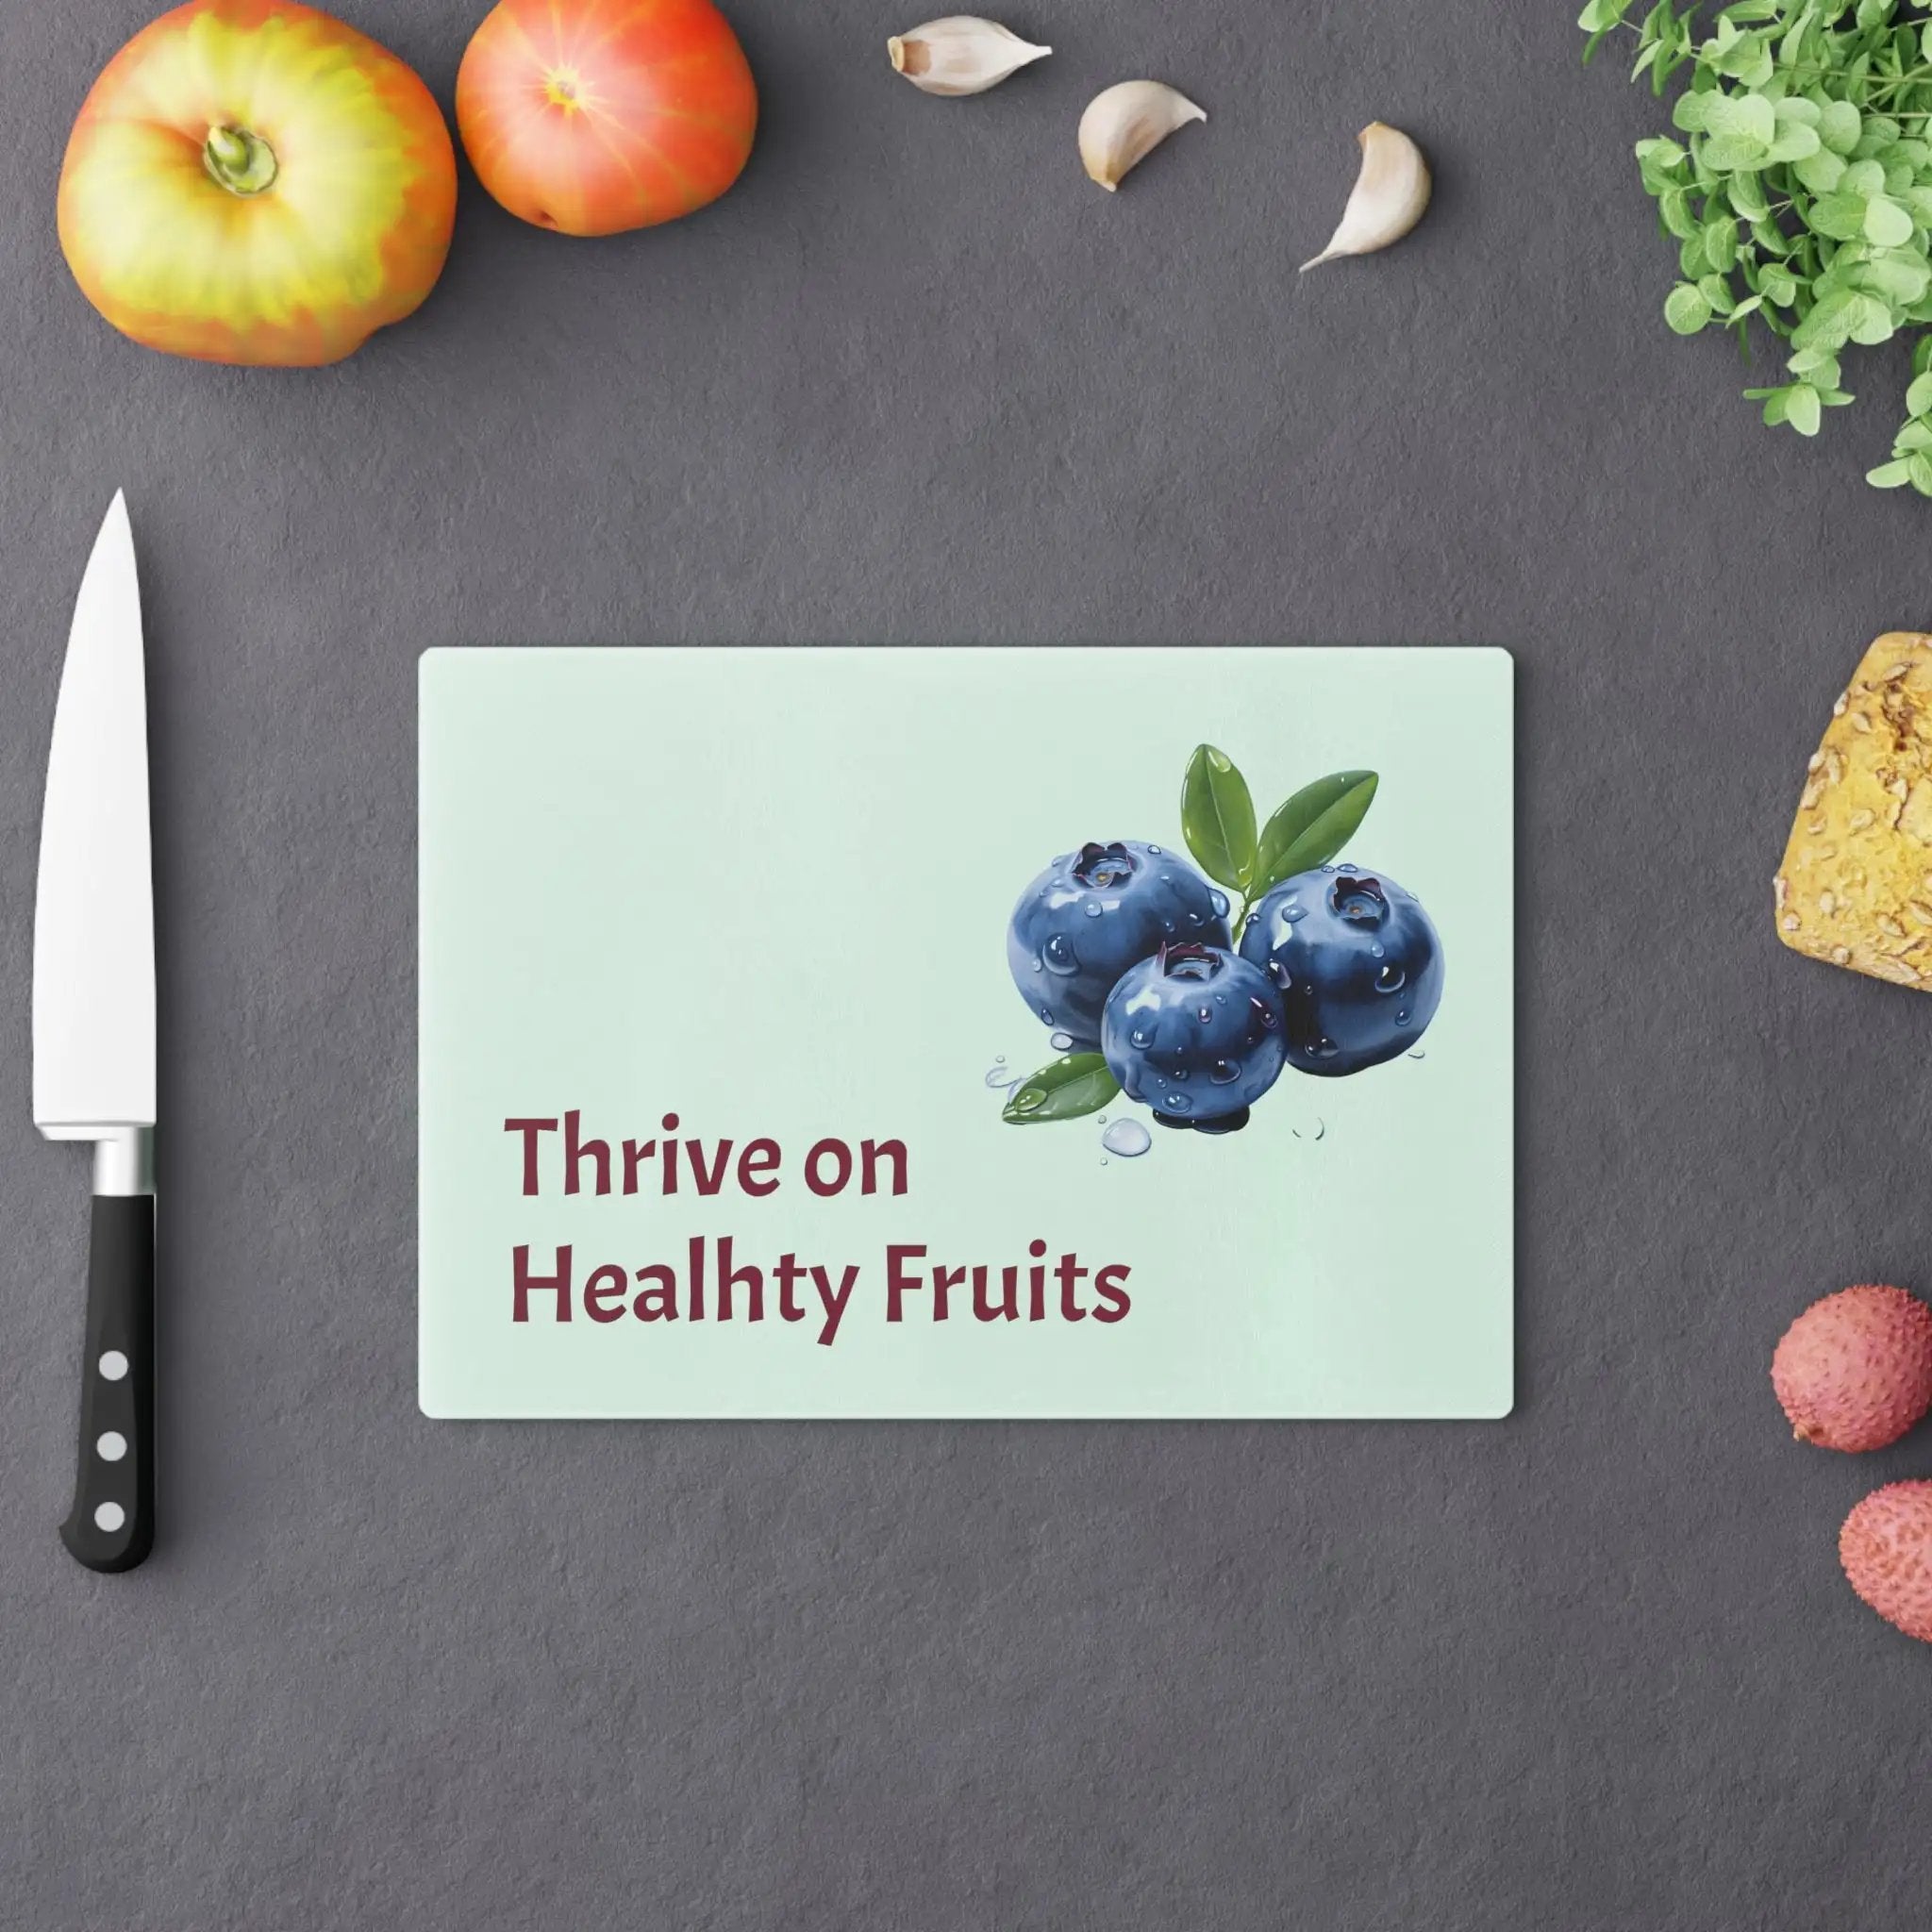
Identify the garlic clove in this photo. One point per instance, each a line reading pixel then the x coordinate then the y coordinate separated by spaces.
pixel 961 54
pixel 1388 199
pixel 1125 123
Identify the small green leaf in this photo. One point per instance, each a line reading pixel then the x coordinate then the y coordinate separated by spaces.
pixel 1837 126
pixel 1919 468
pixel 1312 826
pixel 1887 224
pixel 1688 115
pixel 1064 1091
pixel 1919 397
pixel 1889 475
pixel 1673 209
pixel 1820 173
pixel 1747 196
pixel 1218 818
pixel 1743 117
pixel 1794 143
pixel 1841 215
pixel 1686 312
pixel 1803 410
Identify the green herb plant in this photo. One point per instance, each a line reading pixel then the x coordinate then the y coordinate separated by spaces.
pixel 1800 193
pixel 1219 824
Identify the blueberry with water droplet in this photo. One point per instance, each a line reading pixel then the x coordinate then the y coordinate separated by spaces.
pixel 1176 1050
pixel 1108 907
pixel 1362 938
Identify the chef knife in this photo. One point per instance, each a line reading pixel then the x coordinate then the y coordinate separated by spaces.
pixel 94 1009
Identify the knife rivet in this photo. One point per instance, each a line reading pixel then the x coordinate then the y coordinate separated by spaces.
pixel 109 1516
pixel 112 1446
pixel 114 1365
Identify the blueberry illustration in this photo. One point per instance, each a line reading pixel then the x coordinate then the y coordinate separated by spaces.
pixel 1356 962
pixel 1093 913
pixel 1196 1033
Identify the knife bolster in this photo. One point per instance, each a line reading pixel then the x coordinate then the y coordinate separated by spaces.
pixel 124 1160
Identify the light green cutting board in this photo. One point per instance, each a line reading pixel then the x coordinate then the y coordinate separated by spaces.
pixel 767 890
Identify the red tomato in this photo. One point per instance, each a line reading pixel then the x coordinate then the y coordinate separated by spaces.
pixel 594 116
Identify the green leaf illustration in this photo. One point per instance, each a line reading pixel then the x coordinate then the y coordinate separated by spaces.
pixel 1079 1084
pixel 1312 826
pixel 1218 818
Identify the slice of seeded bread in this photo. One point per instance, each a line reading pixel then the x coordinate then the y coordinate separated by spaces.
pixel 1855 885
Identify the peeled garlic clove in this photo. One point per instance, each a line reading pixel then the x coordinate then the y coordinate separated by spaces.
pixel 1126 123
pixel 1388 199
pixel 959 54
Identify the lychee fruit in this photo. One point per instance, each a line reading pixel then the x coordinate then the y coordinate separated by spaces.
pixel 1854 1372
pixel 1886 1547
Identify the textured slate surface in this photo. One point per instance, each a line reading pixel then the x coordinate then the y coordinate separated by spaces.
pixel 917 379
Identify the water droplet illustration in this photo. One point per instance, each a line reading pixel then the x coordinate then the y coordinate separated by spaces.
pixel 1046 1016
pixel 1029 1100
pixel 1155 850
pixel 1402 1017
pixel 1128 1138
pixel 1000 1077
pixel 1417 1055
pixel 1327 1049
pixel 1278 972
pixel 1196 919
pixel 1205 1014
pixel 1092 908
pixel 1390 979
pixel 1346 871
pixel 1060 956
pixel 1061 1042
pixel 1141 1036
pixel 1179 1103
pixel 1219 902
pixel 1376 949
pixel 1224 1072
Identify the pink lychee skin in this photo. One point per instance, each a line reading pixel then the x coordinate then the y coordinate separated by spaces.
pixel 1886 1547
pixel 1854 1372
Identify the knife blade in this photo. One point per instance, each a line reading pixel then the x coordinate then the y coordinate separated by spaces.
pixel 94 1033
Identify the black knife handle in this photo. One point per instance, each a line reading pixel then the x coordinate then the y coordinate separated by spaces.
pixel 111 1525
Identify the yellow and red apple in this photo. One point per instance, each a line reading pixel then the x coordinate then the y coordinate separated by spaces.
pixel 254 181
